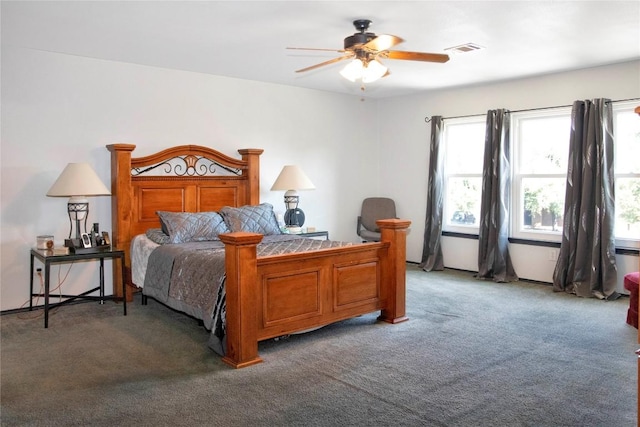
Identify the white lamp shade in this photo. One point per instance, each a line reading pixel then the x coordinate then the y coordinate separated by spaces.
pixel 353 70
pixel 369 71
pixel 373 71
pixel 292 178
pixel 78 179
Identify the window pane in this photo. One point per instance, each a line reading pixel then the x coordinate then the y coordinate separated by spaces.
pixel 544 145
pixel 543 204
pixel 462 201
pixel 627 142
pixel 463 157
pixel 628 208
pixel 464 148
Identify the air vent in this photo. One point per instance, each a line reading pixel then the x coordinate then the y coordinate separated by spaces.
pixel 464 48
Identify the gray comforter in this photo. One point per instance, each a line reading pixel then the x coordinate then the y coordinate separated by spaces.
pixel 189 277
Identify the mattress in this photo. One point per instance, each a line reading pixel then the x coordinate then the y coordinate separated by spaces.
pixel 141 248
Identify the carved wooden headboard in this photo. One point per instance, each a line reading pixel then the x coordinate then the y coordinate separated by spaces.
pixel 186 178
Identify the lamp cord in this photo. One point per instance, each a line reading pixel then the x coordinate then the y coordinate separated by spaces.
pixel 58 288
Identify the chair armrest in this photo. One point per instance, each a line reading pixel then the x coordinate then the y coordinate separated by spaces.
pixel 359 226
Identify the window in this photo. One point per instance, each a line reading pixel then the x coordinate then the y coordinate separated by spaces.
pixel 463 157
pixel 540 154
pixel 626 132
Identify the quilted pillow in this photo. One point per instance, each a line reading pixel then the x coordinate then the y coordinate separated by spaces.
pixel 253 219
pixel 158 236
pixel 183 227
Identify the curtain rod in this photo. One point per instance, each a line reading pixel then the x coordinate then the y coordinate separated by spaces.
pixel 428 119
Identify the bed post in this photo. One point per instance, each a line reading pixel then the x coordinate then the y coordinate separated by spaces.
pixel 121 198
pixel 394 231
pixel 241 298
pixel 252 157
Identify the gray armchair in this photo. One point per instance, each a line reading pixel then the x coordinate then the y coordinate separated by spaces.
pixel 374 208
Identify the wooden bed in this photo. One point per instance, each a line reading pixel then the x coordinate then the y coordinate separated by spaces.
pixel 269 296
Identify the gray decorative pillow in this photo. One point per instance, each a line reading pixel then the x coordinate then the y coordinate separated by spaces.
pixel 183 227
pixel 253 219
pixel 158 236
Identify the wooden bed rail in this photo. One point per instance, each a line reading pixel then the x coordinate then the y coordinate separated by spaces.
pixel 281 294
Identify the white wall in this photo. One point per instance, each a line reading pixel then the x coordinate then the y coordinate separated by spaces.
pixel 404 135
pixel 59 108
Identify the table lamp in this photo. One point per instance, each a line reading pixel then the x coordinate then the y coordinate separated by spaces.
pixel 292 179
pixel 78 181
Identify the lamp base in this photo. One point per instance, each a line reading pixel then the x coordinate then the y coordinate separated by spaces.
pixel 294 217
pixel 294 229
pixel 73 243
pixel 91 250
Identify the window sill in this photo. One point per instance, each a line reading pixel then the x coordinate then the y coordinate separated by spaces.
pixel 528 242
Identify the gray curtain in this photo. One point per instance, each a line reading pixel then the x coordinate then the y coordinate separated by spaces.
pixel 587 264
pixel 431 250
pixel 494 261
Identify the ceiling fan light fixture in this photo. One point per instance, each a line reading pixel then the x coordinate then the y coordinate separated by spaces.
pixel 353 70
pixel 373 71
pixel 369 71
pixel 363 48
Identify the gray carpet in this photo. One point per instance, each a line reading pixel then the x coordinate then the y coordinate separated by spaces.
pixel 474 353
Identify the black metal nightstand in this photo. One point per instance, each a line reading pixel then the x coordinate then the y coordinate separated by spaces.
pixel 48 257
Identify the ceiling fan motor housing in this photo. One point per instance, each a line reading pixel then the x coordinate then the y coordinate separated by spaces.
pixel 358 39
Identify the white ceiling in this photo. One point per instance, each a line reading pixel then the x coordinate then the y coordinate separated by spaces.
pixel 247 39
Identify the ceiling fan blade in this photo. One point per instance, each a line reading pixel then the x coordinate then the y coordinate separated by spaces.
pixel 416 56
pixel 322 64
pixel 313 48
pixel 383 42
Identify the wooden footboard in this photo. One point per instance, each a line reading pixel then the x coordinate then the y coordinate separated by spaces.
pixel 277 295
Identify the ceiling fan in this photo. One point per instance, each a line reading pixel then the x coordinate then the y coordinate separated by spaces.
pixel 366 49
